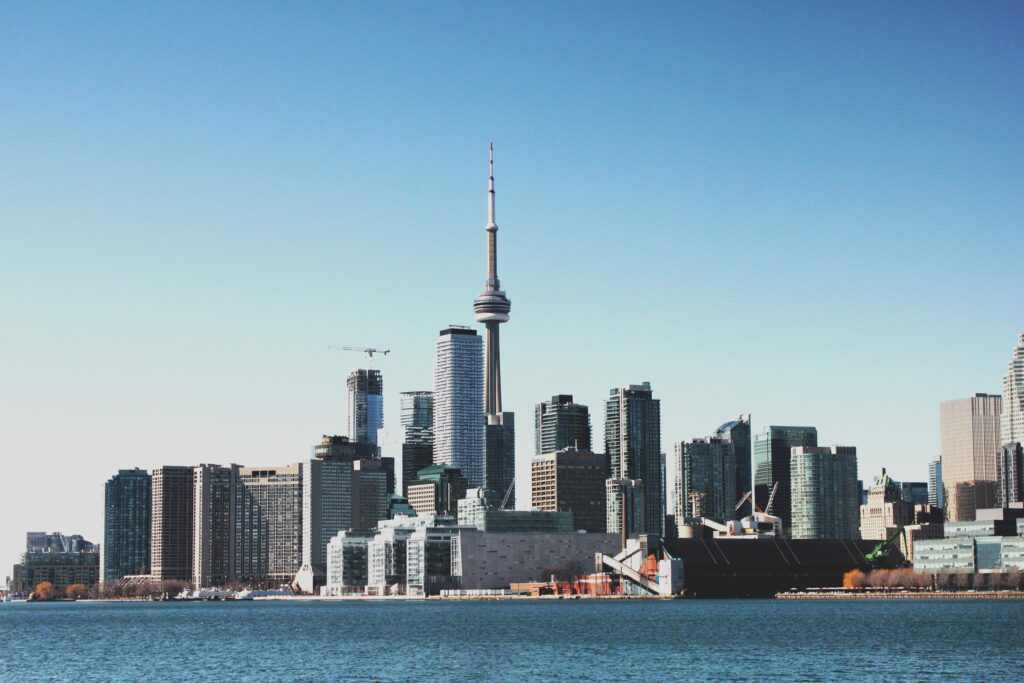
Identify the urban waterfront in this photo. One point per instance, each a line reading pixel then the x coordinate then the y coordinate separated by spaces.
pixel 515 640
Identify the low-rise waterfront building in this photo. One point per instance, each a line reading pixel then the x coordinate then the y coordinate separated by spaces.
pixel 61 560
pixel 484 560
pixel 347 562
pixel 993 542
pixel 481 509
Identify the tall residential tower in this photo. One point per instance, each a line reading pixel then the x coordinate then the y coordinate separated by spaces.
pixel 561 423
pixel 632 440
pixel 365 405
pixel 127 524
pixel 458 403
pixel 418 437
pixel 1011 424
pixel 491 308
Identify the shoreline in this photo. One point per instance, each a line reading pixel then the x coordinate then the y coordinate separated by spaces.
pixel 905 595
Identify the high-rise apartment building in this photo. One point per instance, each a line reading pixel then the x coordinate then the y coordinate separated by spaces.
pixel 970 441
pixel 268 519
pixel 370 492
pixel 633 443
pixel 935 483
pixel 1012 409
pixel 886 510
pixel 365 405
pixel 171 535
pixel 459 422
pixel 213 524
pixel 326 506
pixel 571 480
pixel 417 420
pixel 772 451
pixel 500 455
pixel 825 495
pixel 338 494
pixel 491 308
pixel 736 433
pixel 706 472
pixel 625 502
pixel 561 423
pixel 127 524
pixel 1010 473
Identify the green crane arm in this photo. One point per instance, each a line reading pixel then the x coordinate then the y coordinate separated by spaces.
pixel 882 549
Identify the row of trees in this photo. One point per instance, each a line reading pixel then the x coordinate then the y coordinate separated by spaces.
pixel 46 591
pixel 908 578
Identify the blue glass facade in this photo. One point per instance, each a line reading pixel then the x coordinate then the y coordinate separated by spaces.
pixel 127 524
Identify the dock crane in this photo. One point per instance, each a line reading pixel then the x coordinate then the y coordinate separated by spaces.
pixel 361 349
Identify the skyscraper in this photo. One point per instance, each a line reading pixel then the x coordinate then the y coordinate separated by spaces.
pixel 365 405
pixel 970 441
pixel 935 483
pixel 705 468
pixel 561 423
pixel 1010 471
pixel 171 536
pixel 491 308
pixel 127 509
pixel 418 438
pixel 825 494
pixel 458 403
pixel 268 515
pixel 213 524
pixel 772 451
pixel 632 439
pixel 736 433
pixel 1011 424
pixel 326 506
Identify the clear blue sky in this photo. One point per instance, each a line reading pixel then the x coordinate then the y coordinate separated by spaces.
pixel 809 212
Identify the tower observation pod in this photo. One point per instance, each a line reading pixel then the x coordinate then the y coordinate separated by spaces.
pixel 491 307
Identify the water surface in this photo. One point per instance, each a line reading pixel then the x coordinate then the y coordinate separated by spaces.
pixel 550 640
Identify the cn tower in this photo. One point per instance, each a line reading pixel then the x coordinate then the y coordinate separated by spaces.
pixel 491 309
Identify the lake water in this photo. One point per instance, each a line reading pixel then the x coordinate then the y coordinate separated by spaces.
pixel 563 640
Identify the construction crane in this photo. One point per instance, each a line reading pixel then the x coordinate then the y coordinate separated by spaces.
pixel 361 349
pixel 508 494
pixel 884 549
pixel 771 498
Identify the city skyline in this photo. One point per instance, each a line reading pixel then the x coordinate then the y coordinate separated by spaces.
pixel 184 298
